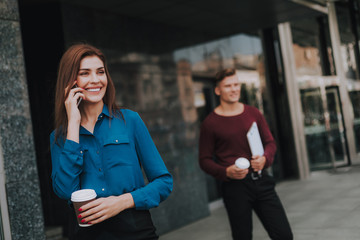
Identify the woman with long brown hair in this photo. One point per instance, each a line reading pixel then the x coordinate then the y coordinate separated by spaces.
pixel 97 145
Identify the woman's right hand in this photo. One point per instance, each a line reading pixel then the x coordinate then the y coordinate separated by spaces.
pixel 71 101
pixel 72 111
pixel 104 208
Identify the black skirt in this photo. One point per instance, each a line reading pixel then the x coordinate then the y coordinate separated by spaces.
pixel 130 224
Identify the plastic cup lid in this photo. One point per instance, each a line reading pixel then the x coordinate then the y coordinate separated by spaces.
pixel 242 163
pixel 83 195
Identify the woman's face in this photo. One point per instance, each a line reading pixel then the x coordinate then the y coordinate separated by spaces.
pixel 92 78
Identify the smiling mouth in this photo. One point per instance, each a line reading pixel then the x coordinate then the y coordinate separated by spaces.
pixel 93 89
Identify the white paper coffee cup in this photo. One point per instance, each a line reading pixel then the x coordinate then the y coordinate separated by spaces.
pixel 242 163
pixel 80 198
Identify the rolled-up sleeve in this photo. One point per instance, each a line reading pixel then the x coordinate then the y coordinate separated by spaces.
pixel 67 161
pixel 160 180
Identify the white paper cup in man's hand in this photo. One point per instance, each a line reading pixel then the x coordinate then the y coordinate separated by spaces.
pixel 242 163
pixel 80 198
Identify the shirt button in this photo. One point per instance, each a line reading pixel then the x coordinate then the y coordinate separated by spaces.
pixel 81 152
pixel 116 140
pixel 103 189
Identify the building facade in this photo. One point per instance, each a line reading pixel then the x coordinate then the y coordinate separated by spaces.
pixel 298 62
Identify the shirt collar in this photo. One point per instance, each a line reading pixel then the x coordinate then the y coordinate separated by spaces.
pixel 105 112
pixel 84 131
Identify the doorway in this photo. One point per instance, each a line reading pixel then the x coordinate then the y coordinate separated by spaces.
pixel 43 46
pixel 317 81
pixel 324 125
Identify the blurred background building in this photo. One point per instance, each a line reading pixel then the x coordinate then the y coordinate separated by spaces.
pixel 298 62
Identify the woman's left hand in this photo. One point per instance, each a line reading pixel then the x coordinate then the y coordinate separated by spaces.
pixel 104 208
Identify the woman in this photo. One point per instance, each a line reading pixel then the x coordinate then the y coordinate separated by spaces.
pixel 96 145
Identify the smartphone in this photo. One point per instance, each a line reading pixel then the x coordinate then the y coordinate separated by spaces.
pixel 80 99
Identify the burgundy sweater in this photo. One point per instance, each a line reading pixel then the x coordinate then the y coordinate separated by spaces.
pixel 224 137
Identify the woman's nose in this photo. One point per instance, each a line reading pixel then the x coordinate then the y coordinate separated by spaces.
pixel 95 78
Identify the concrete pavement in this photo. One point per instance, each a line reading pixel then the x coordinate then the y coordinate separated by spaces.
pixel 324 207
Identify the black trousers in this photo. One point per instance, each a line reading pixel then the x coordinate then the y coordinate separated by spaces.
pixel 242 196
pixel 130 224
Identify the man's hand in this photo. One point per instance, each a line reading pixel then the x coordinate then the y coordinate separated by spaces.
pixel 257 163
pixel 234 172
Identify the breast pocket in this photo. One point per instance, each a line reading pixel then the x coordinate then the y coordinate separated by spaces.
pixel 117 150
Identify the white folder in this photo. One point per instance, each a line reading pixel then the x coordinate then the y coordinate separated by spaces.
pixel 254 140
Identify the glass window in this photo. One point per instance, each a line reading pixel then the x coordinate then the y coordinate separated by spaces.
pixel 312 47
pixel 348 17
pixel 244 53
pixel 347 39
pixel 355 99
pixel 320 99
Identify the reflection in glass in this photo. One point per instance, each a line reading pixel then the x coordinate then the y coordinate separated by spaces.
pixel 336 131
pixel 320 99
pixel 324 126
pixel 315 131
pixel 312 47
pixel 349 37
pixel 355 99
pixel 242 52
pixel 347 40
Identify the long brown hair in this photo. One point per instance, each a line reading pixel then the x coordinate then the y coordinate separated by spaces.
pixel 68 70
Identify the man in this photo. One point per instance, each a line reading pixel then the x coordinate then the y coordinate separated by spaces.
pixel 223 137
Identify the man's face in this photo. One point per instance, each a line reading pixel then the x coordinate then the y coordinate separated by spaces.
pixel 229 89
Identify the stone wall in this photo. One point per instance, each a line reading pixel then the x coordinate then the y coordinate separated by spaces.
pixel 22 184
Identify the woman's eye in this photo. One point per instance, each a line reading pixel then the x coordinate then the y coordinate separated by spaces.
pixel 84 73
pixel 101 72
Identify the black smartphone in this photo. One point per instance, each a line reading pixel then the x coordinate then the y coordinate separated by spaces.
pixel 80 99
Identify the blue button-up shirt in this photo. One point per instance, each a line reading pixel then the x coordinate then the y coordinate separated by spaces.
pixel 110 161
